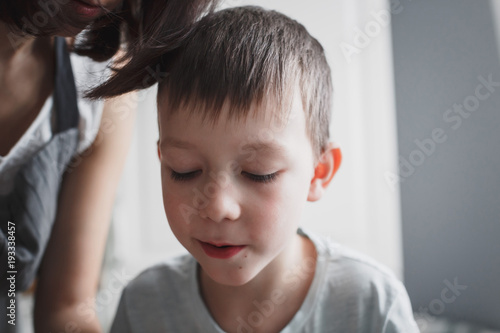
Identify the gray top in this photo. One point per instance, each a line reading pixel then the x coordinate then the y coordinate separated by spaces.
pixel 349 293
pixel 28 210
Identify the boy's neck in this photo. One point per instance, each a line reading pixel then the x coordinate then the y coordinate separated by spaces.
pixel 277 293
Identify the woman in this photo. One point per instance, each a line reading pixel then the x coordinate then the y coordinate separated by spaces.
pixel 61 155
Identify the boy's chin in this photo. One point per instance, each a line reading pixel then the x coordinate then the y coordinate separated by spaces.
pixel 231 278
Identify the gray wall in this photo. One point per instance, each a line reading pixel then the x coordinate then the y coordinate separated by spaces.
pixel 450 188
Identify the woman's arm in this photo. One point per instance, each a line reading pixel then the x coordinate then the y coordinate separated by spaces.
pixel 70 270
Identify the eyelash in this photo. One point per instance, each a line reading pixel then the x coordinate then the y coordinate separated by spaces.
pixel 177 176
pixel 261 178
pixel 269 178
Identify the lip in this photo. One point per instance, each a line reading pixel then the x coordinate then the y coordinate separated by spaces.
pixel 221 250
pixel 86 9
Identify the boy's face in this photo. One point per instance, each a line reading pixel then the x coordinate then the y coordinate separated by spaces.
pixel 234 191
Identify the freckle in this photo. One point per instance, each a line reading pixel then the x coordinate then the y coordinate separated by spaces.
pixel 241 267
pixel 245 256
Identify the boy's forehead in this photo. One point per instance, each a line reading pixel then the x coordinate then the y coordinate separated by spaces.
pixel 236 138
pixel 268 110
pixel 267 146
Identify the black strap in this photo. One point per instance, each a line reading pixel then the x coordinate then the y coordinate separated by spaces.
pixel 65 95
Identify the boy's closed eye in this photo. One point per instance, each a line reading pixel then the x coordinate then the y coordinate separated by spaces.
pixel 258 178
pixel 184 176
pixel 268 178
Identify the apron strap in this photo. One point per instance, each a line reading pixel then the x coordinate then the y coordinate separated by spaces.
pixel 65 94
pixel 32 205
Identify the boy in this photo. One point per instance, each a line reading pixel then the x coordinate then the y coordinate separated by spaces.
pixel 244 114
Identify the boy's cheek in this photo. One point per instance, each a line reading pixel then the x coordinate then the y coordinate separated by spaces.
pixel 172 207
pixel 268 212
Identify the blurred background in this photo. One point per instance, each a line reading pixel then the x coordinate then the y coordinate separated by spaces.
pixel 447 79
pixel 416 113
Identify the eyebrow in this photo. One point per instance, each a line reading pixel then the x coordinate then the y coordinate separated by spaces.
pixel 267 147
pixel 264 146
pixel 171 142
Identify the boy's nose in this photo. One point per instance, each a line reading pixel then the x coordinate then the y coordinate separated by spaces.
pixel 221 205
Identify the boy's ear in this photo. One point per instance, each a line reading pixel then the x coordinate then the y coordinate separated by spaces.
pixel 158 147
pixel 328 164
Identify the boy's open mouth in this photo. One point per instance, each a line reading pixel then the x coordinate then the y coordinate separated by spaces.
pixel 221 251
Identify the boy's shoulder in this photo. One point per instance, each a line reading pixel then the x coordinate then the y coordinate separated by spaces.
pixel 176 271
pixel 161 298
pixel 362 269
pixel 344 262
pixel 167 285
pixel 353 286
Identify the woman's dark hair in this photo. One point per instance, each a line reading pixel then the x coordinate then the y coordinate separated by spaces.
pixel 131 23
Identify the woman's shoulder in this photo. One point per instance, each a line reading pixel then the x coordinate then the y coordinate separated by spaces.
pixel 87 74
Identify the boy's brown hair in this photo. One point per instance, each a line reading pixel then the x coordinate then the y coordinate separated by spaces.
pixel 242 56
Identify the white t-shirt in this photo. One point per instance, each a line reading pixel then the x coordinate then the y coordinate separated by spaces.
pixel 349 293
pixel 87 74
